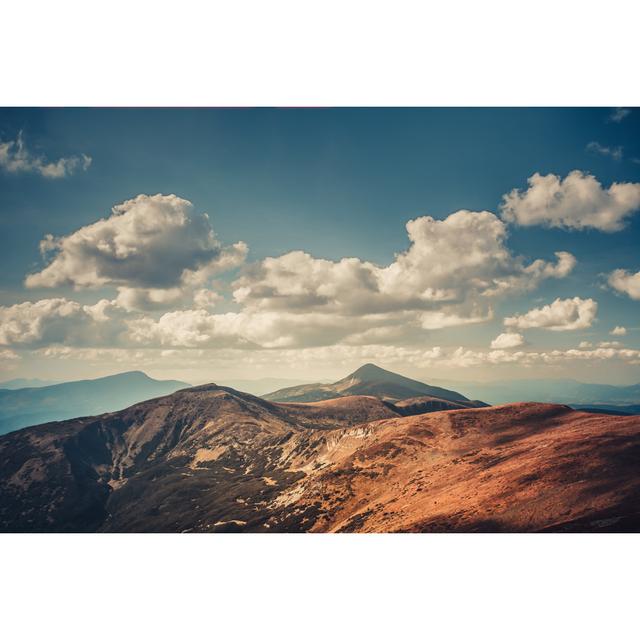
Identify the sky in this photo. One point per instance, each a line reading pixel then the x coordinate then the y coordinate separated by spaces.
pixel 219 244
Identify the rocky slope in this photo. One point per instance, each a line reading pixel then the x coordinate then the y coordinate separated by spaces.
pixel 212 459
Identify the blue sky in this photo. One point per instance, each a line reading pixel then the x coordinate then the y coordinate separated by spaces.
pixel 333 183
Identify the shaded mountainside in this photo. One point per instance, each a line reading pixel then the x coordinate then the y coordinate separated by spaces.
pixel 212 459
pixel 370 380
pixel 28 406
pixel 613 409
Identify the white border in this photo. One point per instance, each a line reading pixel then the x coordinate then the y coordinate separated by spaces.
pixel 335 52
pixel 319 586
pixel 319 54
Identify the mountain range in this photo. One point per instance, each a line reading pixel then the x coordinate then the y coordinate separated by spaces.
pixel 571 392
pixel 34 405
pixel 212 459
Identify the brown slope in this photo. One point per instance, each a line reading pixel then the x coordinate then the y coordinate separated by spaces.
pixel 428 404
pixel 521 467
pixel 185 461
pixel 213 459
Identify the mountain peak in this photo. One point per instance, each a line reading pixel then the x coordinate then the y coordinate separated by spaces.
pixel 368 370
pixel 369 379
pixel 141 375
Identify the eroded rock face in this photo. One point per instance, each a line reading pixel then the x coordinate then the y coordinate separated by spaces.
pixel 212 459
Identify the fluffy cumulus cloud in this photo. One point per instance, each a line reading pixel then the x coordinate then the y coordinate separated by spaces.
pixel 161 258
pixel 154 249
pixel 507 341
pixel 191 328
pixel 446 277
pixel 60 321
pixel 625 282
pixel 578 201
pixel 147 242
pixel 16 158
pixel 618 331
pixel 560 315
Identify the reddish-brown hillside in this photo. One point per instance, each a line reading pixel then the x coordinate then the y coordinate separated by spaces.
pixel 518 467
pixel 213 459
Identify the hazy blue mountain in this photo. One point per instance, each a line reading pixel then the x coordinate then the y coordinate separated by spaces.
pixel 561 391
pixel 29 406
pixel 611 409
pixel 22 383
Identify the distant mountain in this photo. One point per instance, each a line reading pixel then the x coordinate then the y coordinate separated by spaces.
pixel 27 406
pixel 22 383
pixel 611 409
pixel 212 459
pixel 263 385
pixel 371 380
pixel 559 390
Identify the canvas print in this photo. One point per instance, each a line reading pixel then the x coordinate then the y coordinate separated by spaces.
pixel 320 320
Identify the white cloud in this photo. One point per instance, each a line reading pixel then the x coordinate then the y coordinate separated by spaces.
pixel 154 249
pixel 131 298
pixel 613 152
pixel 625 282
pixel 59 321
pixel 618 114
pixel 261 329
pixel 618 331
pixel 206 299
pixel 449 269
pixel 575 202
pixel 161 259
pixel 16 158
pixel 610 343
pixel 585 344
pixel 188 329
pixel 464 358
pixel 7 354
pixel 560 315
pixel 507 341
pixel 442 319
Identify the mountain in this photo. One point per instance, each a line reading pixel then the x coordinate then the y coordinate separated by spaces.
pixel 211 459
pixel 613 409
pixel 371 380
pixel 22 383
pixel 24 407
pixel 550 390
pixel 261 386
